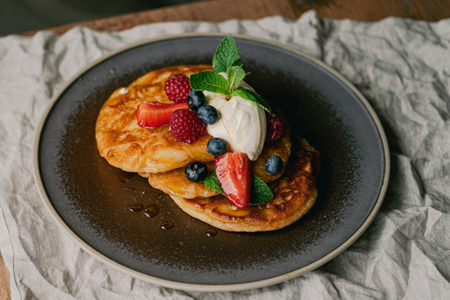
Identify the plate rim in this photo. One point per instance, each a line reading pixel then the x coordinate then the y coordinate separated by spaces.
pixel 208 287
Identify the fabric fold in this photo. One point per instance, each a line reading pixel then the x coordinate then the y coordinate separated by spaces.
pixel 401 66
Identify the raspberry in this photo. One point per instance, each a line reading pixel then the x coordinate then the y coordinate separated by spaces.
pixel 274 128
pixel 185 126
pixel 177 88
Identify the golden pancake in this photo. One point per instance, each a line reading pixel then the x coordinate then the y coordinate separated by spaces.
pixel 129 147
pixel 176 184
pixel 294 194
pixel 155 154
pixel 280 148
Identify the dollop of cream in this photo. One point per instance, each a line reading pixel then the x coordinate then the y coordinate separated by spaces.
pixel 242 123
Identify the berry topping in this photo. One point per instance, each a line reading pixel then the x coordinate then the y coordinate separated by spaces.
pixel 217 146
pixel 274 165
pixel 195 99
pixel 234 172
pixel 208 114
pixel 196 171
pixel 177 88
pixel 274 128
pixel 155 114
pixel 186 127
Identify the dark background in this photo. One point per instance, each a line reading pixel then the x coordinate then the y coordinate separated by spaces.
pixel 30 15
pixel 25 15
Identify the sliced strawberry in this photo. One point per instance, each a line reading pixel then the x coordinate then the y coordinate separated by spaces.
pixel 154 114
pixel 234 171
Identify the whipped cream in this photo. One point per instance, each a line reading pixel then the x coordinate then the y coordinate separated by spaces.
pixel 242 123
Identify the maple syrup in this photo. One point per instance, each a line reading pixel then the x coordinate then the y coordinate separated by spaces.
pixel 136 207
pixel 125 176
pixel 151 210
pixel 166 225
pixel 211 232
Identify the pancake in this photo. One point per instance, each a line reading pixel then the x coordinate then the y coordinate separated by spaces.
pixel 155 154
pixel 176 184
pixel 294 194
pixel 131 148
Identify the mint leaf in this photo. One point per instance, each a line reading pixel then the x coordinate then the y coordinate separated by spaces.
pixel 252 96
pixel 226 59
pixel 226 55
pixel 209 81
pixel 261 192
pixel 235 75
pixel 211 182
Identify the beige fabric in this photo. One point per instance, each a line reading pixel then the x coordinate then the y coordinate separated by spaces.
pixel 401 66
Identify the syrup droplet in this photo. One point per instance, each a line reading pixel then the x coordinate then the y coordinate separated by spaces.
pixel 166 225
pixel 143 192
pixel 125 176
pixel 211 232
pixel 151 210
pixel 136 207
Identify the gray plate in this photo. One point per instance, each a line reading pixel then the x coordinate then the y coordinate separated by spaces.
pixel 89 199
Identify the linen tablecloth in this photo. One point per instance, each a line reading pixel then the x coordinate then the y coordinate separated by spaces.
pixel 401 66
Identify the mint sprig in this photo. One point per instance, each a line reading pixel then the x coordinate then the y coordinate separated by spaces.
pixel 212 183
pixel 226 56
pixel 260 194
pixel 209 81
pixel 251 96
pixel 226 60
pixel 235 74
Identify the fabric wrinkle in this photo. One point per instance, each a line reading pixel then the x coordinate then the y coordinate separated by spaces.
pixel 401 66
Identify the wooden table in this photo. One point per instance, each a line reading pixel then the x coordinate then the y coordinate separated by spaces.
pixel 360 10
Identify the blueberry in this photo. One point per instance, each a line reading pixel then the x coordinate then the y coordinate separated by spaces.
pixel 196 171
pixel 217 146
pixel 208 114
pixel 195 99
pixel 274 165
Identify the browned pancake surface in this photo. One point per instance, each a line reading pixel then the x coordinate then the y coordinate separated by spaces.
pixel 294 194
pixel 127 146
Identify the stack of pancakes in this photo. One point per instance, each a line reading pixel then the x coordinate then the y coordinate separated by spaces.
pixel 156 155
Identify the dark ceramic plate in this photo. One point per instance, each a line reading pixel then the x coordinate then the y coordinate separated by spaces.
pixel 90 199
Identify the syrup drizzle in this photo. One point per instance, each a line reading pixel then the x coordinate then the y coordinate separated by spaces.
pixel 136 207
pixel 151 210
pixel 125 176
pixel 166 225
pixel 211 232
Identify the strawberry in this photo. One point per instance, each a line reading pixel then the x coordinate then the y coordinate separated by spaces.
pixel 154 114
pixel 234 172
